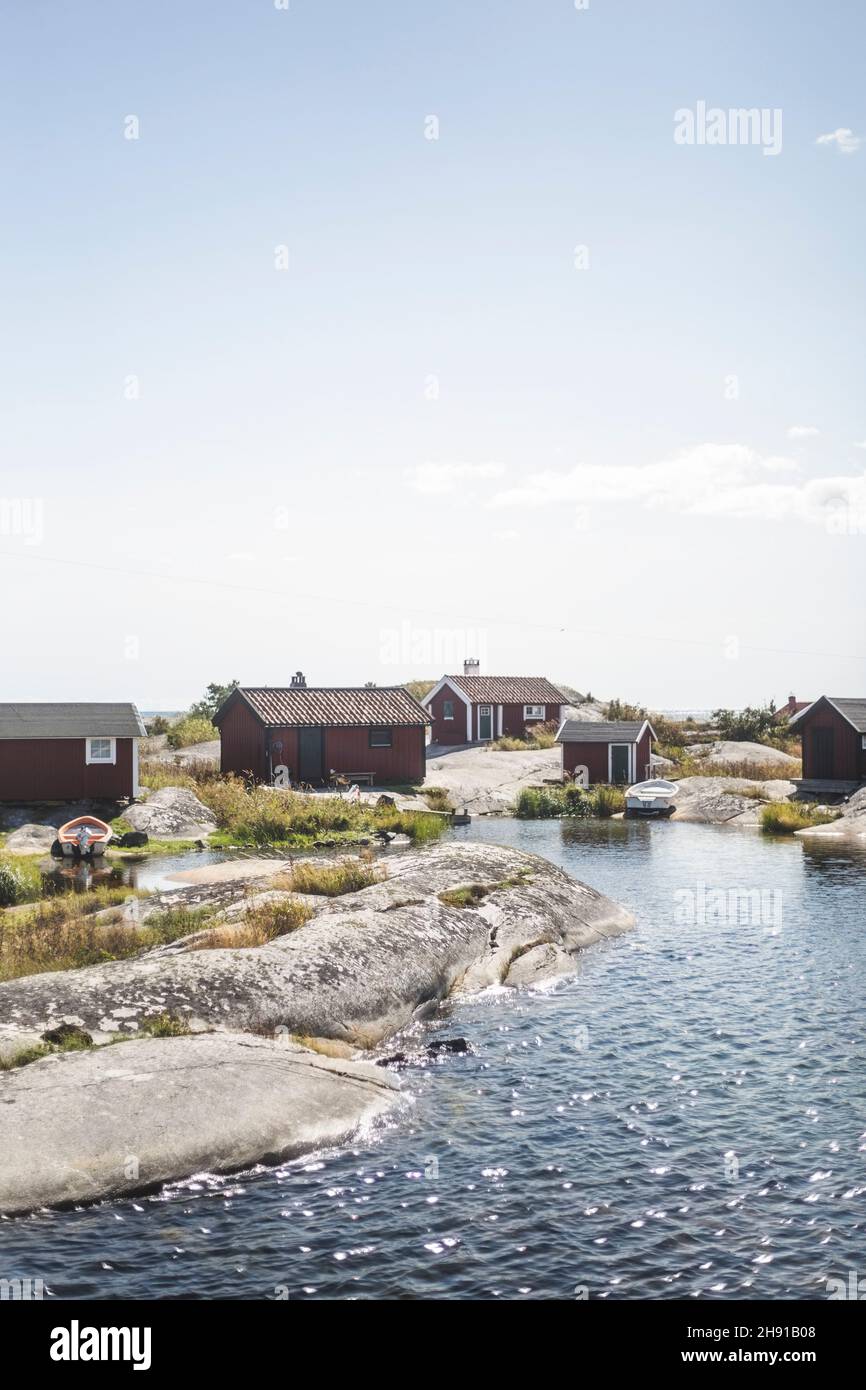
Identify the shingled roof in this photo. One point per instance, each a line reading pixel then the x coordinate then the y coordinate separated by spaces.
pixel 508 690
pixel 601 731
pixel 333 706
pixel 854 710
pixel 71 721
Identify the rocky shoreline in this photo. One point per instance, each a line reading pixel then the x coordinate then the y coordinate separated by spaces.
pixel 240 1087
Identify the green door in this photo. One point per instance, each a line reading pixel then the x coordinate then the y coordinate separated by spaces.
pixel 619 762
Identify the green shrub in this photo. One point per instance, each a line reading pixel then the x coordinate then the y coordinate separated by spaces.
pixel 13 885
pixel 785 817
pixel 193 728
pixel 569 800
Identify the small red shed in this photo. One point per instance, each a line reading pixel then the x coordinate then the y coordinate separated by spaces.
pixel 375 731
pixel 612 751
pixel 478 709
pixel 833 734
pixel 52 752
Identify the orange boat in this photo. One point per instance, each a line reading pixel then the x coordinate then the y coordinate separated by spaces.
pixel 86 835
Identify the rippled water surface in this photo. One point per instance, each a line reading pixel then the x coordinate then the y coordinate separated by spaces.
pixel 684 1117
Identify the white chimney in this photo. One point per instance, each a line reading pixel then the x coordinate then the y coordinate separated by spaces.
pixel 472 666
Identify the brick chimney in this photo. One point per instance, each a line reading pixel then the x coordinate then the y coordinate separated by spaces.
pixel 299 678
pixel 472 666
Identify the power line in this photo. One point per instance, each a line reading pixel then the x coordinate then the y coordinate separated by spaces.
pixel 403 609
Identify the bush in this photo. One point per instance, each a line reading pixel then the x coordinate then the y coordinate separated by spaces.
pixel 534 736
pixel 193 728
pixel 754 724
pixel 13 885
pixel 785 817
pixel 569 800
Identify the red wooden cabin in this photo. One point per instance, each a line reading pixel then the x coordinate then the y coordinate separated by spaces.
pixel 616 751
pixel 478 709
pixel 378 732
pixel 54 752
pixel 833 733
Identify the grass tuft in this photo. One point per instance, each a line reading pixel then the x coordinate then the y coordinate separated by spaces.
pixel 786 817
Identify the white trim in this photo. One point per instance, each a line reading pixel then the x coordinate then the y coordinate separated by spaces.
pixel 841 713
pixel 135 787
pixel 542 715
pixel 459 693
pixel 499 720
pixel 100 762
pixel 632 749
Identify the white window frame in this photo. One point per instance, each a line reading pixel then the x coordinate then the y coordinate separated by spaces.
pixel 100 762
pixel 534 711
pixel 447 703
pixel 863 741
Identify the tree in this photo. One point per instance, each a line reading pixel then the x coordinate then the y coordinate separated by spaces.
pixel 213 698
pixel 750 725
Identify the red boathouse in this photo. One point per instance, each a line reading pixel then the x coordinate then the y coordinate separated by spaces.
pixel 617 751
pixel 75 752
pixel 833 733
pixel 375 732
pixel 477 709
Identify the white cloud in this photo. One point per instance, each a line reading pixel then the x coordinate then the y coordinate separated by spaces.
pixel 724 480
pixel 860 443
pixel 440 478
pixel 802 431
pixel 843 138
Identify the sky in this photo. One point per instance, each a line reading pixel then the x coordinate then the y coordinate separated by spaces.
pixel 358 339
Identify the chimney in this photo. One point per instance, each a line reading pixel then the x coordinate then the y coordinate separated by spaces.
pixel 299 678
pixel 792 700
pixel 472 666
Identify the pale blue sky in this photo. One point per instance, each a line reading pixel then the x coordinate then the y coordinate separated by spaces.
pixel 588 496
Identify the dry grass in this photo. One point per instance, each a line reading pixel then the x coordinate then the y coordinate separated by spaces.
pixel 80 929
pixel 331 880
pixel 438 799
pixel 785 817
pixel 260 923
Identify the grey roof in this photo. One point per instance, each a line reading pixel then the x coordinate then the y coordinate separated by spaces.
pixel 852 709
pixel 601 731
pixel 71 721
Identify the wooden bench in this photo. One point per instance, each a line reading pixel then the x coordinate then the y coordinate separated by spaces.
pixel 347 778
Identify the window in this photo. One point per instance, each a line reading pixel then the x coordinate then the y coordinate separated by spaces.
pixel 863 741
pixel 101 750
pixel 533 711
pixel 447 709
pixel 381 738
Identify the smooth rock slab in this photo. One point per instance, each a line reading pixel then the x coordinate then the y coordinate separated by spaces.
pixel 367 965
pixel 82 1126
pixel 172 813
pixel 30 839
